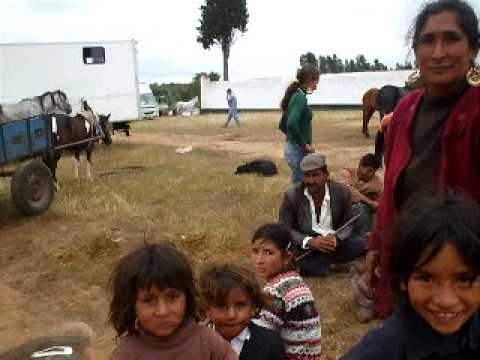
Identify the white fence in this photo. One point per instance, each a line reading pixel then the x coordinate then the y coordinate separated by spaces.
pixel 345 89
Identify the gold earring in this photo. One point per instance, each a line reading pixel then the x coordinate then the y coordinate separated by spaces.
pixel 473 75
pixel 414 77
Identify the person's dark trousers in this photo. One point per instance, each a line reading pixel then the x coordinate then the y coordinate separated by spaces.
pixel 365 221
pixel 318 263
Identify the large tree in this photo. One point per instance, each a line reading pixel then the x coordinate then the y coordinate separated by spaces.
pixel 218 23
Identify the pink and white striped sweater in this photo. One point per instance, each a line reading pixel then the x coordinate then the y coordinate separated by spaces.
pixel 292 312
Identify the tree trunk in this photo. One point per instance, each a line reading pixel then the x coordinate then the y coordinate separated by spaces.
pixel 226 53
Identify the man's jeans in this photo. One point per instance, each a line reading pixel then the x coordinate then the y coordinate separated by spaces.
pixel 294 155
pixel 232 113
pixel 318 263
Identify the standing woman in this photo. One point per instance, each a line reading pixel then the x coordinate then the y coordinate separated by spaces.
pixel 433 140
pixel 299 118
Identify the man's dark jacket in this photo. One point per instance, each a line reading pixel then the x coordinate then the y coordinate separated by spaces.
pixel 295 210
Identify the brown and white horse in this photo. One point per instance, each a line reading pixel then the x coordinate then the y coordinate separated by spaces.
pixel 78 134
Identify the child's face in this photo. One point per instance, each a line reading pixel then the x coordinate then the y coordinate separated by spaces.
pixel 444 291
pixel 232 317
pixel 267 258
pixel 160 311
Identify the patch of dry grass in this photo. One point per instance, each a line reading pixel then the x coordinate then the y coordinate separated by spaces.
pixel 58 264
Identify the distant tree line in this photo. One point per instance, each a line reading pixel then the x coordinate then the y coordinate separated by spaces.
pixel 333 64
pixel 174 92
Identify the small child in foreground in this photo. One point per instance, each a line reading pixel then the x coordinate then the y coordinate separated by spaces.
pixel 436 276
pixel 231 297
pixel 154 307
pixel 292 309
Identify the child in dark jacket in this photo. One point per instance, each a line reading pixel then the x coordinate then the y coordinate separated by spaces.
pixel 435 267
pixel 231 297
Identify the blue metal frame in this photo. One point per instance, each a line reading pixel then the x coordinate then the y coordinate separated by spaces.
pixel 27 138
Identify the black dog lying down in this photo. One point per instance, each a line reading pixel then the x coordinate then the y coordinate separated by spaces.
pixel 73 344
pixel 260 167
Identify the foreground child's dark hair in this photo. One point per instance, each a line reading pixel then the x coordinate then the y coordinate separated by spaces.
pixel 425 225
pixel 161 265
pixel 217 280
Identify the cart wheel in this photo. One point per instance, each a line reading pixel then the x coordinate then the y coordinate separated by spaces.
pixel 32 187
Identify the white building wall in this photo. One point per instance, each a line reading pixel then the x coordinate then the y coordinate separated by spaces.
pixel 266 93
pixel 30 69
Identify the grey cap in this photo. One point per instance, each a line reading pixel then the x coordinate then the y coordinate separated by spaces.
pixel 313 161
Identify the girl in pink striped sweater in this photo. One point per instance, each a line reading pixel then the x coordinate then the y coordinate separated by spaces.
pixel 292 308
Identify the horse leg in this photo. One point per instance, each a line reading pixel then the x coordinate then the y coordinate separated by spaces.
pixel 51 161
pixel 379 145
pixel 89 162
pixel 367 114
pixel 76 162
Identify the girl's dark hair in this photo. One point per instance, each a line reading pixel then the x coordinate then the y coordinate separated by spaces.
pixel 466 18
pixel 279 235
pixel 425 225
pixel 306 72
pixel 370 160
pixel 161 265
pixel 216 282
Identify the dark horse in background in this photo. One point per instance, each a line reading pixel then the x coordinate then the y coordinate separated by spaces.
pixel 384 100
pixel 78 134
pixel 388 98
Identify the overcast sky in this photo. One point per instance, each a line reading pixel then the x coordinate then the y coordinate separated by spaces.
pixel 279 31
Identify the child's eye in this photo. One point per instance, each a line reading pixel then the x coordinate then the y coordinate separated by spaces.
pixel 466 280
pixel 146 299
pixel 173 296
pixel 423 277
pixel 268 252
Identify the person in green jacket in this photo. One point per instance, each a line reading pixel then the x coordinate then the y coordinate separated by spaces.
pixel 299 118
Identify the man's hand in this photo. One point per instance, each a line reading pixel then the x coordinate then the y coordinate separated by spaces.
pixel 323 243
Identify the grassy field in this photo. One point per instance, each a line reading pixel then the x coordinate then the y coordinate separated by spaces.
pixel 55 267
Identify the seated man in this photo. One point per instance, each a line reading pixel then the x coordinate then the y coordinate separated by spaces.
pixel 313 210
pixel 366 188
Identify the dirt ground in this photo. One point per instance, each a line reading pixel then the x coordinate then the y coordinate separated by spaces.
pixel 30 308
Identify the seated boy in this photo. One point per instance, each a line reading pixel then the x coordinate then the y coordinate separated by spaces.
pixel 366 188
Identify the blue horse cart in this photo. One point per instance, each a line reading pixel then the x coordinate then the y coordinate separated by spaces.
pixel 24 145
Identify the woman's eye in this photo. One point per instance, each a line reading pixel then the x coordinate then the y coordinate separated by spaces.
pixel 268 252
pixel 425 39
pixel 452 37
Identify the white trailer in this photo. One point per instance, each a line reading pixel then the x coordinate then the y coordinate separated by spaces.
pixel 103 72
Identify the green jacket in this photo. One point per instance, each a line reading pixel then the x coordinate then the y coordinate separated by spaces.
pixel 299 119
